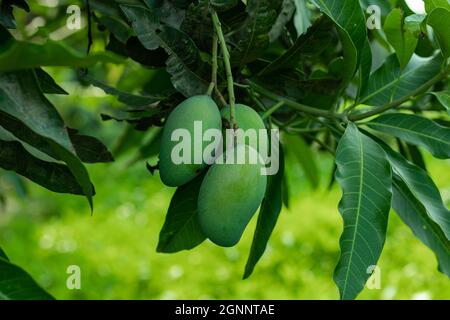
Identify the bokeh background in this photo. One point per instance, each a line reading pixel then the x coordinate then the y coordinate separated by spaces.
pixel 116 247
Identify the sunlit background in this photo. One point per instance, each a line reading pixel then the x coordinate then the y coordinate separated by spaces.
pixel 115 248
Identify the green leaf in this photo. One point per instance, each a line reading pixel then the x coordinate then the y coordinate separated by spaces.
pixel 401 36
pixel 50 175
pixel 313 42
pixel 89 149
pixel 285 15
pixel 365 67
pixel 3 255
pixel 416 130
pixel 223 5
pixel 27 114
pixel 268 216
pixel 184 62
pixel 439 19
pixel 444 98
pixel 16 284
pixel 414 214
pixel 26 55
pixel 48 84
pixel 386 84
pixel 6 12
pixel 351 23
pixel 302 17
pixel 430 5
pixel 181 230
pixel 305 156
pixel 421 187
pixel 253 37
pixel 364 175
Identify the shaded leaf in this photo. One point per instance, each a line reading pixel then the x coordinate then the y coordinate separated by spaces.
pixel 48 84
pixel 181 230
pixel 267 218
pixel 444 98
pixel 364 175
pixel 439 19
pixel 89 149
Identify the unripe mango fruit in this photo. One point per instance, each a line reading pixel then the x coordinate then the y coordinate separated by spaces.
pixel 246 118
pixel 229 196
pixel 197 108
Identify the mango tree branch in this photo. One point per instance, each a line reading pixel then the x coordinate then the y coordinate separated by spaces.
pixel 214 66
pixel 396 103
pixel 226 59
pixel 295 105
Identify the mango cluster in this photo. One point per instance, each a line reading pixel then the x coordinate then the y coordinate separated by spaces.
pixel 230 192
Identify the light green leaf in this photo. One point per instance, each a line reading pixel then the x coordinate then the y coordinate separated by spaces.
pixel 386 84
pixel 181 230
pixel 349 18
pixel 430 5
pixel 364 175
pixel 414 214
pixel 444 98
pixel 416 130
pixel 268 217
pixel 401 36
pixel 302 17
pixel 439 19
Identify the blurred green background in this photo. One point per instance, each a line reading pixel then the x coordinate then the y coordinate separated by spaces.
pixel 115 247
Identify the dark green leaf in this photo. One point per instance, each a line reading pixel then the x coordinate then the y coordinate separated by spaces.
pixel 413 213
pixel 16 284
pixel 27 114
pixel 416 130
pixel 48 84
pixel 349 18
pixel 181 230
pixel 253 37
pixel 222 5
pixel 89 149
pixel 439 19
pixel 268 216
pixel 6 12
pixel 145 23
pixel 313 42
pixel 364 175
pixel 50 175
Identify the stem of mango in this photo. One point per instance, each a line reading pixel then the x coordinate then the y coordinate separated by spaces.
pixel 226 60
pixel 214 67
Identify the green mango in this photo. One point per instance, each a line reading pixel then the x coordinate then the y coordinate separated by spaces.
pixel 229 196
pixel 246 118
pixel 197 108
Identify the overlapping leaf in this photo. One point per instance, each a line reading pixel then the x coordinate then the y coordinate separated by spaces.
pixel 364 175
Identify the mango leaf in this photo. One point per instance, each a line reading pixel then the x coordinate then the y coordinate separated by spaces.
pixel 50 175
pixel 184 62
pixel 181 230
pixel 268 216
pixel 305 156
pixel 27 114
pixel 416 130
pixel 253 37
pixel 414 214
pixel 6 12
pixel 351 23
pixel 48 84
pixel 25 55
pixel 421 187
pixel 313 42
pixel 285 15
pixel 430 5
pixel 401 37
pixel 16 284
pixel 439 19
pixel 387 84
pixel 364 175
pixel 444 98
pixel 302 17
pixel 223 5
pixel 89 149
pixel 365 68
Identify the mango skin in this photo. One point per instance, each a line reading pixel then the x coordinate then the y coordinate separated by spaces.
pixel 229 196
pixel 196 108
pixel 246 118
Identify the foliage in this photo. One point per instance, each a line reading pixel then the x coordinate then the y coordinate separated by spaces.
pixel 312 69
